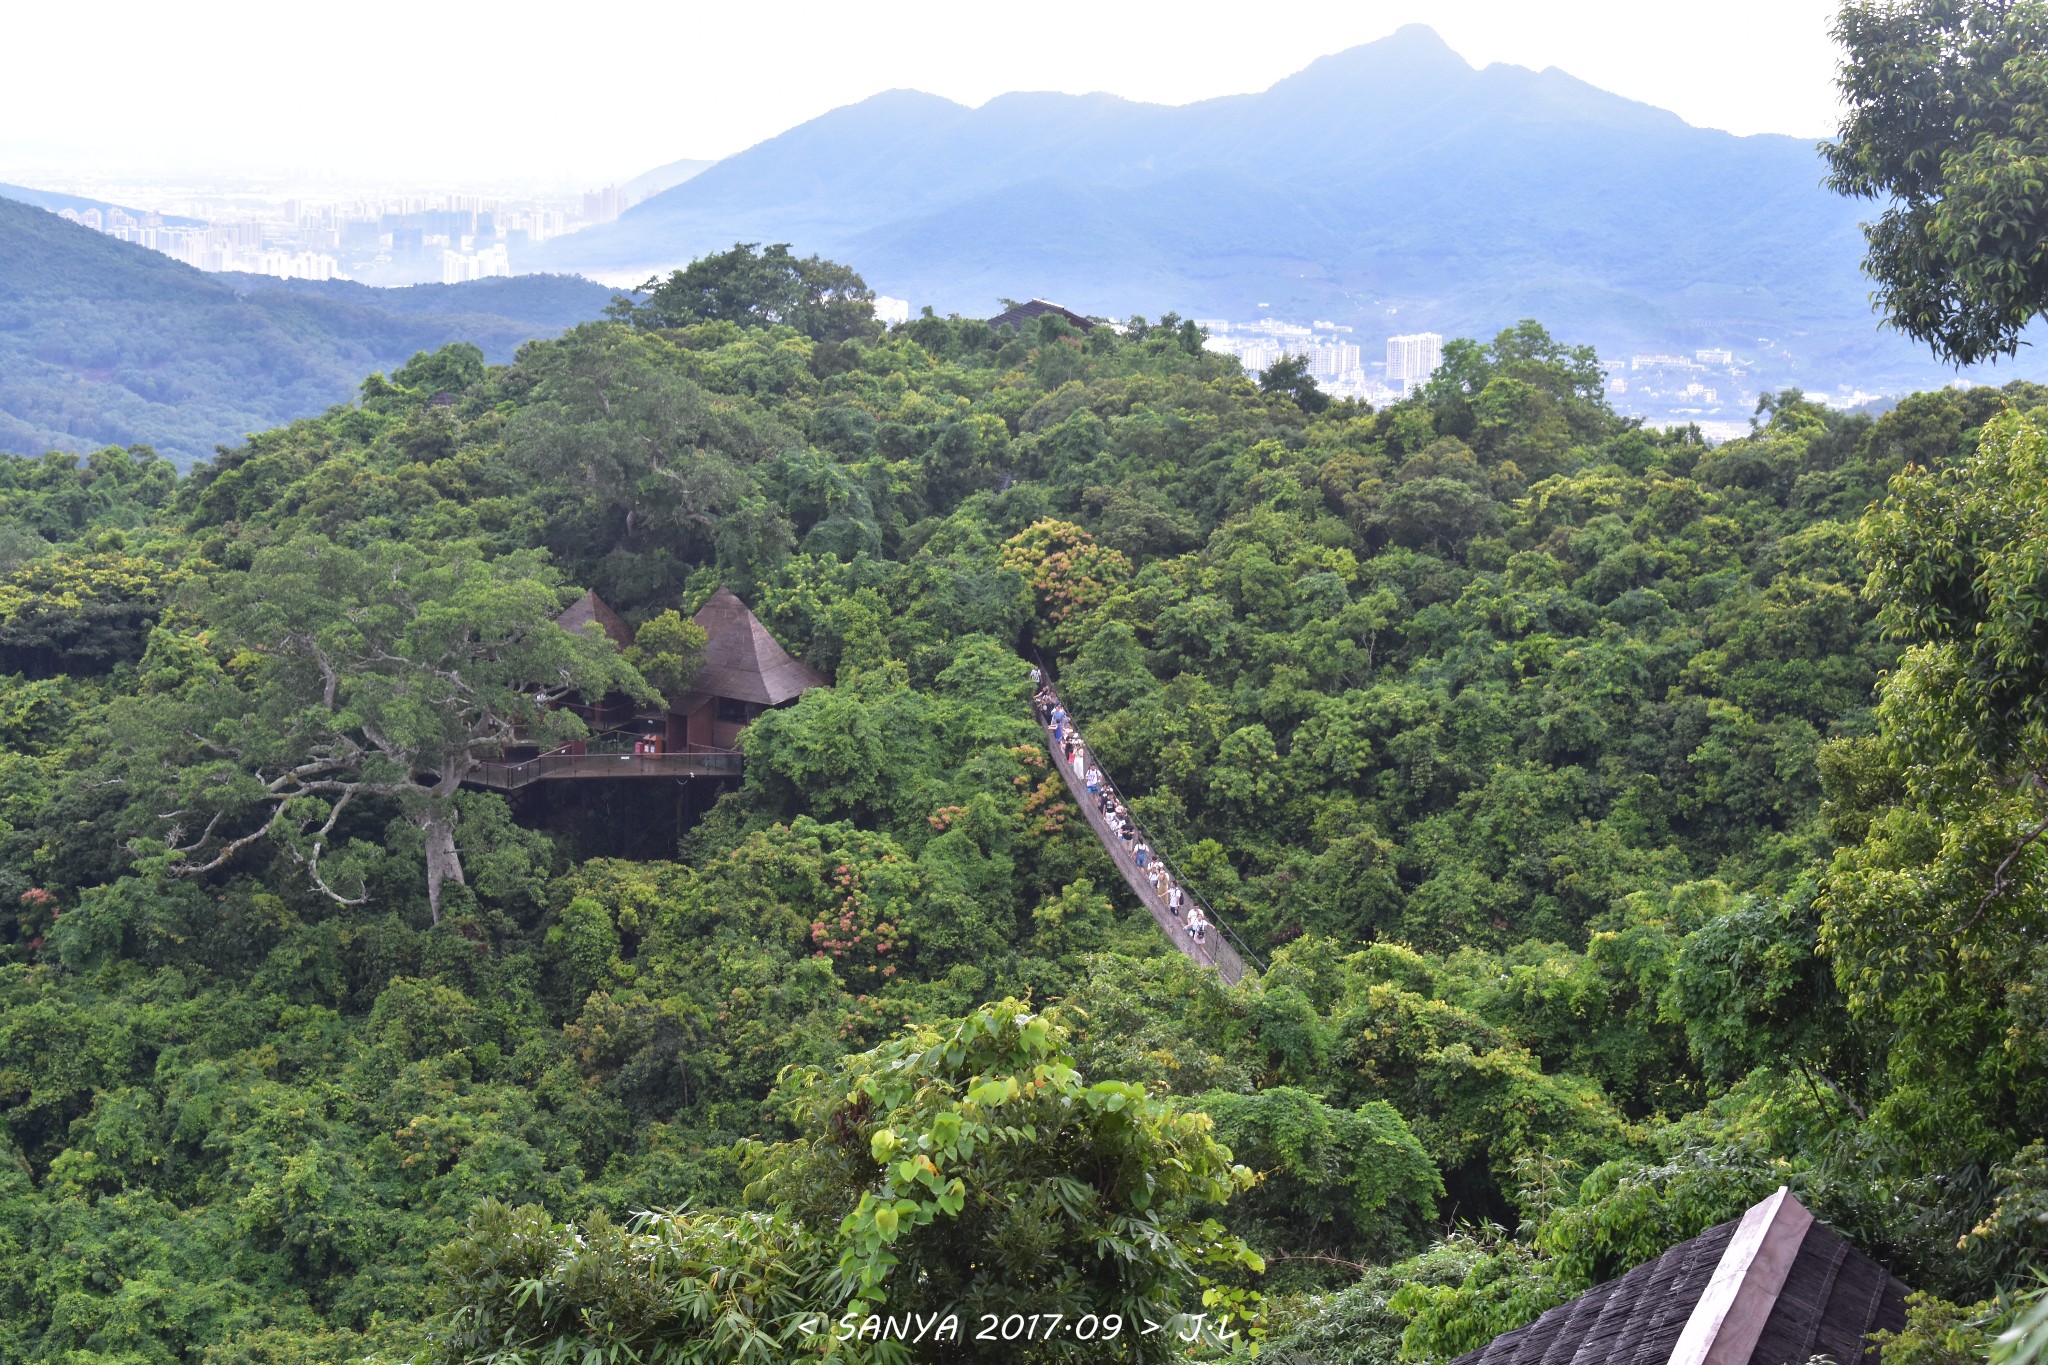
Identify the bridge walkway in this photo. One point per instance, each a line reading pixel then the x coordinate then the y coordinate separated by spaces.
pixel 1216 949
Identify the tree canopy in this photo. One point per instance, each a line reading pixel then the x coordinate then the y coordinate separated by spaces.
pixel 822 299
pixel 1628 826
pixel 1945 128
pixel 322 674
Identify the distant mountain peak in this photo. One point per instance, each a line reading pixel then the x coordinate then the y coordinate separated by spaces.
pixel 1412 58
pixel 902 97
pixel 1414 46
pixel 1417 37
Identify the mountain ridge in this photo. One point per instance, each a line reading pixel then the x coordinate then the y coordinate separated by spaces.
pixel 1392 186
pixel 55 201
pixel 103 342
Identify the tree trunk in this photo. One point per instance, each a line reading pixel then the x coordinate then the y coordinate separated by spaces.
pixel 444 864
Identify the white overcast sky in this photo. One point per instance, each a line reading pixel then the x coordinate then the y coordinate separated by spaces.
pixel 586 91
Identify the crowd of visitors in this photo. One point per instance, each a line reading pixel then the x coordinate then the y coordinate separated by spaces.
pixel 1152 869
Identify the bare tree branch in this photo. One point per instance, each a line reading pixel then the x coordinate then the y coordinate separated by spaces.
pixel 228 851
pixel 319 846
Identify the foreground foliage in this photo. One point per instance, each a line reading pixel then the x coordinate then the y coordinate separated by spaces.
pixel 1945 126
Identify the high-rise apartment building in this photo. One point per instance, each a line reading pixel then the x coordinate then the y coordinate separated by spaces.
pixel 603 206
pixel 1259 356
pixel 1327 359
pixel 458 266
pixel 1412 359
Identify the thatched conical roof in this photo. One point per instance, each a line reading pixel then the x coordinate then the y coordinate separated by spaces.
pixel 742 660
pixel 592 611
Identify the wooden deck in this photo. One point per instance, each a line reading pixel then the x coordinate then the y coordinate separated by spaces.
pixel 1216 949
pixel 549 767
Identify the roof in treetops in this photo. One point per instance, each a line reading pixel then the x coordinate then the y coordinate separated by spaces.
pixel 592 610
pixel 742 660
pixel 1773 1287
pixel 1016 317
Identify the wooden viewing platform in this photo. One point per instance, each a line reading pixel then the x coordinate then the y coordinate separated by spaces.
pixel 508 776
pixel 1215 950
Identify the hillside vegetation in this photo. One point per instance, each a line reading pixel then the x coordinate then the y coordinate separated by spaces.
pixel 104 342
pixel 1584 789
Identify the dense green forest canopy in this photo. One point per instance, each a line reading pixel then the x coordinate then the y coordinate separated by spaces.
pixel 1630 826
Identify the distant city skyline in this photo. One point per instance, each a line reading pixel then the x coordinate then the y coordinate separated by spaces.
pixel 533 102
pixel 1710 387
pixel 383 240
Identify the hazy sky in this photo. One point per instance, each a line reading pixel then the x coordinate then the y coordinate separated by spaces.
pixel 586 91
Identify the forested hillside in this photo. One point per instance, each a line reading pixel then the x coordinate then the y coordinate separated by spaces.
pixel 104 342
pixel 1628 826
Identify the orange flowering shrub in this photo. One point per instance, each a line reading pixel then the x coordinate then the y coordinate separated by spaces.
pixel 1069 573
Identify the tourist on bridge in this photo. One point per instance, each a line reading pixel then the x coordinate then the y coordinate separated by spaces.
pixel 1094 780
pixel 1175 897
pixel 1143 853
pixel 1198 924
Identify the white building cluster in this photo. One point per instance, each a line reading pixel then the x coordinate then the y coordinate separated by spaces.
pixel 605 205
pixel 400 239
pixel 209 246
pixel 481 264
pixel 1337 363
pixel 1681 385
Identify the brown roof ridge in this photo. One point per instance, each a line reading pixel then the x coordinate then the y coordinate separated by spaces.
pixel 1015 317
pixel 1770 1286
pixel 1730 1315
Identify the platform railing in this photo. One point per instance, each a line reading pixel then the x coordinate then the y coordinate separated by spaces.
pixel 691 761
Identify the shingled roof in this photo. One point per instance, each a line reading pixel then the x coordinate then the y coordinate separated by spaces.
pixel 1773 1287
pixel 592 610
pixel 742 660
pixel 1015 318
